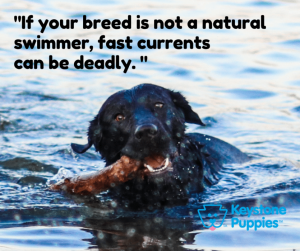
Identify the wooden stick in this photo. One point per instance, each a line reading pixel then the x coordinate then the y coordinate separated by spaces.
pixel 96 182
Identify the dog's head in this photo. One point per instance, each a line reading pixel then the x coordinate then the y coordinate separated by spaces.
pixel 145 123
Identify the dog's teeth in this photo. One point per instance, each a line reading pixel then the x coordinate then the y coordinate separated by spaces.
pixel 167 163
pixel 151 169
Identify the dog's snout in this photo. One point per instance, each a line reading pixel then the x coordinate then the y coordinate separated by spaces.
pixel 145 131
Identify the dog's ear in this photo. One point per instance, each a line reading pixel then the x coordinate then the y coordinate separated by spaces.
pixel 189 115
pixel 77 148
pixel 94 137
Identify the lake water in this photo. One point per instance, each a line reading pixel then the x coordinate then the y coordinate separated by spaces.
pixel 246 88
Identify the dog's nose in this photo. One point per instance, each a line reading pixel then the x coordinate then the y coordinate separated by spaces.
pixel 145 131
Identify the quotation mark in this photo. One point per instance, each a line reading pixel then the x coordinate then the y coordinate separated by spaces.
pixel 19 18
pixel 142 58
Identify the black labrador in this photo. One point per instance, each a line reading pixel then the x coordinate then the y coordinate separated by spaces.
pixel 149 121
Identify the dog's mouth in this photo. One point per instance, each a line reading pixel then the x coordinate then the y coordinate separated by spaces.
pixel 157 164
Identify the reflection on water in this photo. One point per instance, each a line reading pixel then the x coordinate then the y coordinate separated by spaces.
pixel 45 238
pixel 246 88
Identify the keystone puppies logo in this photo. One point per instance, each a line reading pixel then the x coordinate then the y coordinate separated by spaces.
pixel 214 210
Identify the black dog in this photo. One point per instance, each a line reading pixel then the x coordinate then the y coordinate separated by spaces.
pixel 149 121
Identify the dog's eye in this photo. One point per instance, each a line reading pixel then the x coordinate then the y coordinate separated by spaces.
pixel 120 117
pixel 159 105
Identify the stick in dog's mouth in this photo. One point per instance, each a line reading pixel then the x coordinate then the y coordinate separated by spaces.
pixel 121 171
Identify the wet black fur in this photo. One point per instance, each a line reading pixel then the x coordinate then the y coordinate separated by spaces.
pixel 196 158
